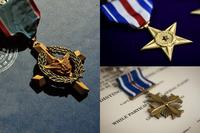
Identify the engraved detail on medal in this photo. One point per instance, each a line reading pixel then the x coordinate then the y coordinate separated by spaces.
pixel 7 58
pixel 3 2
pixel 60 66
pixel 67 69
pixel 165 38
pixel 162 105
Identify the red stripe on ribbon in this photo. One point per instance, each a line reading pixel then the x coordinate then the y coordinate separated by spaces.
pixel 4 29
pixel 35 8
pixel 137 86
pixel 133 13
pixel 129 78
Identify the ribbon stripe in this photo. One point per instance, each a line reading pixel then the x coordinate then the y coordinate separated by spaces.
pixel 147 6
pixel 127 90
pixel 116 14
pixel 4 29
pixel 132 12
pixel 108 13
pixel 136 13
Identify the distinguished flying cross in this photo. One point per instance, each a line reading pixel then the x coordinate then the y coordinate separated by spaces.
pixel 134 84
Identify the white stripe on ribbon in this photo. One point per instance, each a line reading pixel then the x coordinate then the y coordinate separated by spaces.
pixel 144 80
pixel 122 11
pixel 109 13
pixel 139 9
pixel 150 5
pixel 125 88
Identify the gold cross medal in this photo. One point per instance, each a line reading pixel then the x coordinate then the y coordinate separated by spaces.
pixel 61 66
pixel 58 66
pixel 137 13
pixel 134 84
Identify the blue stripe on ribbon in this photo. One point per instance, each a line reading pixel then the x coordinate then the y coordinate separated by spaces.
pixel 107 14
pixel 123 88
pixel 150 1
pixel 137 80
pixel 145 78
pixel 129 86
pixel 145 6
pixel 115 13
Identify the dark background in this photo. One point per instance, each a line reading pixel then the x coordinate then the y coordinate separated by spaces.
pixel 121 44
pixel 71 24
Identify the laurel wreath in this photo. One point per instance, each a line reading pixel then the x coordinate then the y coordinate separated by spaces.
pixel 77 65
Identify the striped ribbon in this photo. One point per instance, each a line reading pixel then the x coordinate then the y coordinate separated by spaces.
pixel 136 13
pixel 19 16
pixel 134 83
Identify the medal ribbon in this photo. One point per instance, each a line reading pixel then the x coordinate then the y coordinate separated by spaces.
pixel 19 16
pixel 136 13
pixel 134 83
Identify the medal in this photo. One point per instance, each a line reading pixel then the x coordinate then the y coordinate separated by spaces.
pixel 196 12
pixel 166 40
pixel 137 13
pixel 58 66
pixel 135 84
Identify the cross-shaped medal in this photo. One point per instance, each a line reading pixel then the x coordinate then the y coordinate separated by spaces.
pixel 66 69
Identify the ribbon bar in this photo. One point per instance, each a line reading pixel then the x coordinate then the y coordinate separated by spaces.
pixel 134 83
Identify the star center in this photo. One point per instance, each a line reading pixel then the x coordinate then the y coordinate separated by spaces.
pixel 165 38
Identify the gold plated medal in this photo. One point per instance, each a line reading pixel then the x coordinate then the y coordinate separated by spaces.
pixel 60 65
pixel 196 12
pixel 166 40
pixel 163 105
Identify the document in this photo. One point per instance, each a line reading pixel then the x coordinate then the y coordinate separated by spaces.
pixel 120 114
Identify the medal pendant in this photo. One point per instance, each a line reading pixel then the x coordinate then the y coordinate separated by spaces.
pixel 163 105
pixel 61 66
pixel 166 40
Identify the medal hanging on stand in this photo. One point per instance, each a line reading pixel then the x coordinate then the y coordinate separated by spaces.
pixel 137 13
pixel 135 84
pixel 59 66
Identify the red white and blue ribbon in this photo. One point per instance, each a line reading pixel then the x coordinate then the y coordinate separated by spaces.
pixel 136 13
pixel 134 83
pixel 19 16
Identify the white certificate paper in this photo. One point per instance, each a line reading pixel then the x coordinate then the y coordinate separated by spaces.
pixel 119 114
